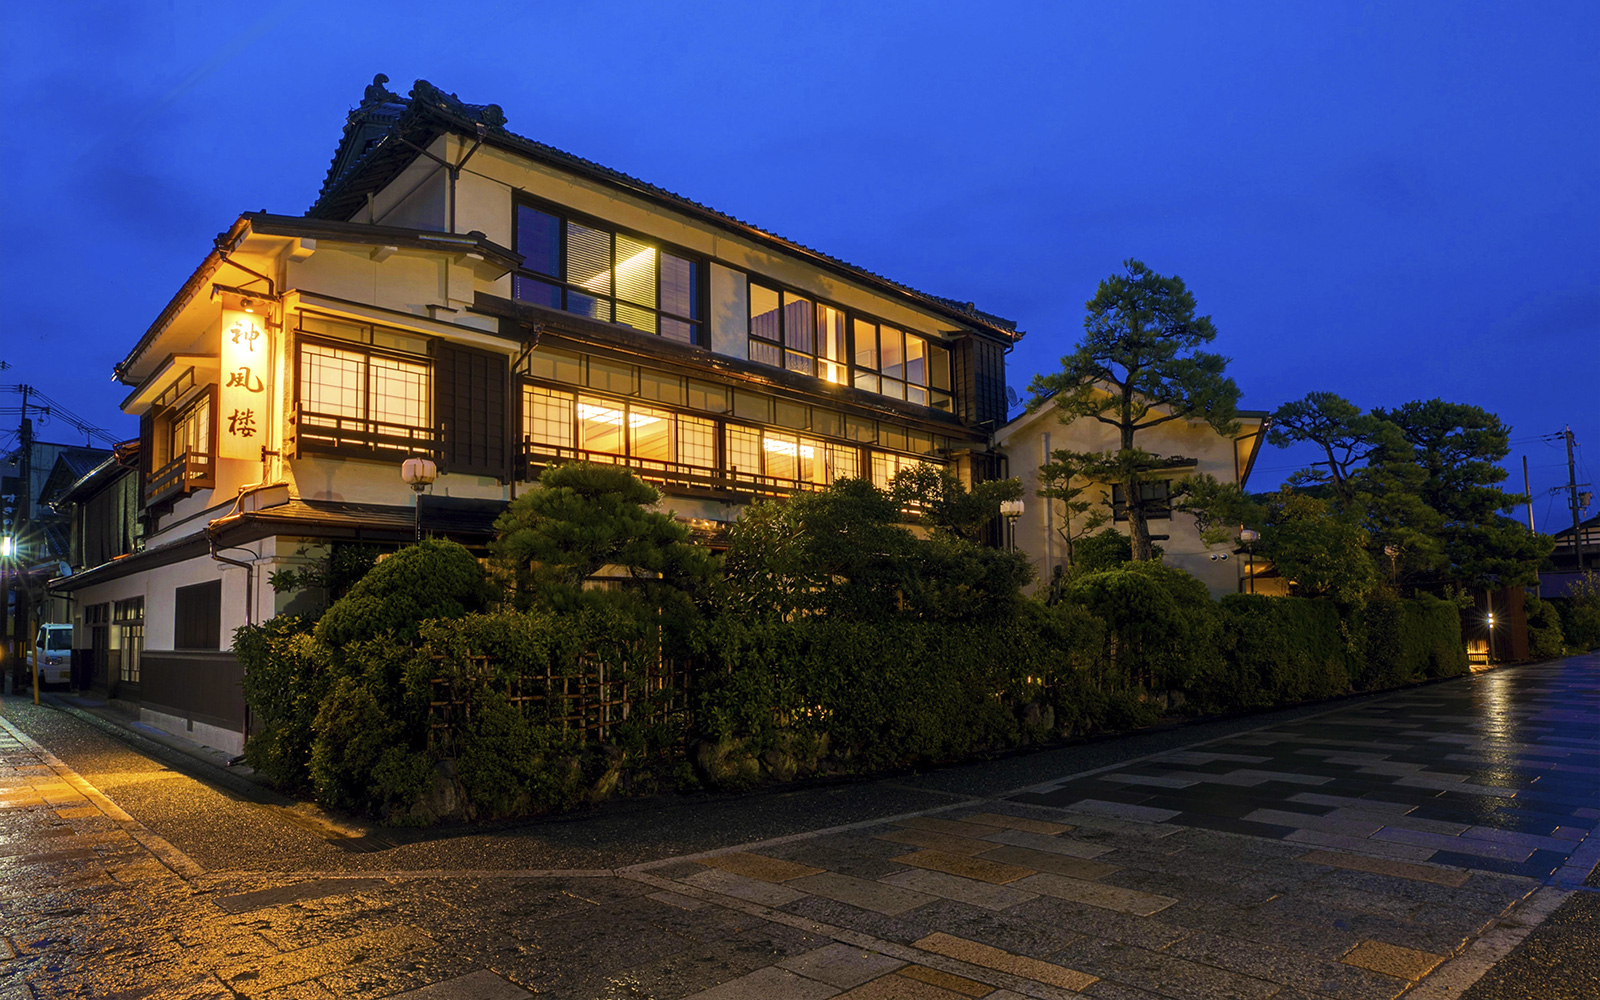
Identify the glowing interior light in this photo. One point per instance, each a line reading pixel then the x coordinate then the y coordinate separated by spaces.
pixel 599 414
pixel 629 270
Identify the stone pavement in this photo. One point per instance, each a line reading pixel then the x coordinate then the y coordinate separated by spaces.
pixel 1402 845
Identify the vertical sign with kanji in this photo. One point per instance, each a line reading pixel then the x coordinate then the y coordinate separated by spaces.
pixel 244 386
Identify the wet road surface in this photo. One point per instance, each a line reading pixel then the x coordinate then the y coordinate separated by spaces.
pixel 1396 844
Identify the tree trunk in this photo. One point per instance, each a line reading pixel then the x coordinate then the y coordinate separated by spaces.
pixel 1138 526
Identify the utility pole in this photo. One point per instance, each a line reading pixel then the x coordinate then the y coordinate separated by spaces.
pixel 1527 491
pixel 19 589
pixel 1572 494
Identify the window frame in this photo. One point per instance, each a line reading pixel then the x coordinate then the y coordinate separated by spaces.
pixel 1161 509
pixel 423 435
pixel 699 331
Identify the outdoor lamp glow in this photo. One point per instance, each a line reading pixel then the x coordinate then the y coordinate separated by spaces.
pixel 1249 536
pixel 419 474
pixel 1011 509
pixel 8 547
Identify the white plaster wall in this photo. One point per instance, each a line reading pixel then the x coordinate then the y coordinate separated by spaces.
pixel 1027 440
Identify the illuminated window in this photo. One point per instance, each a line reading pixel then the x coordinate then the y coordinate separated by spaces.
pixel 340 382
pixel 789 330
pixel 887 465
pixel 611 276
pixel 547 416
pixel 895 362
pixel 191 431
pixel 129 619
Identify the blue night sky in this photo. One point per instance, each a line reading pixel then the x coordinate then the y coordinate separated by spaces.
pixel 1388 201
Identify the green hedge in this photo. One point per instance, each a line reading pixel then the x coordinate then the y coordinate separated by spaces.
pixel 348 708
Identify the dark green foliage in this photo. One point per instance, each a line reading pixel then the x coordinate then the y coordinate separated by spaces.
pixel 1403 641
pixel 1545 640
pixel 1580 612
pixel 1108 549
pixel 836 641
pixel 432 579
pixel 1139 365
pixel 947 505
pixel 582 518
pixel 285 679
pixel 327 578
pixel 1161 626
pixel 1278 651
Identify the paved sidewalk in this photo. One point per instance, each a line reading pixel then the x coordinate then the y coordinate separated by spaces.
pixel 1394 846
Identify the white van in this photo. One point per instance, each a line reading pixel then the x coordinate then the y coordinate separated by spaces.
pixel 53 646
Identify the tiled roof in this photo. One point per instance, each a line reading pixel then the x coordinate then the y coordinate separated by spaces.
pixel 388 128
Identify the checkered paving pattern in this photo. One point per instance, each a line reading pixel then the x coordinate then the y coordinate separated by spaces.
pixel 1500 775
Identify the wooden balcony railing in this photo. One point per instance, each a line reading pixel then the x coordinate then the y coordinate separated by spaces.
pixel 190 471
pixel 674 477
pixel 332 434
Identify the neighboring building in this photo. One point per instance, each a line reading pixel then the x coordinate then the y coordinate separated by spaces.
pixel 463 293
pixel 31 477
pixel 1029 440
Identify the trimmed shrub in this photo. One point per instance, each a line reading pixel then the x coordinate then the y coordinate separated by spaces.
pixel 1278 650
pixel 285 678
pixel 1161 627
pixel 1545 640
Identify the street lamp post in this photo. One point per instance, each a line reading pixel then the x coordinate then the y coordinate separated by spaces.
pixel 1011 510
pixel 419 474
pixel 1248 538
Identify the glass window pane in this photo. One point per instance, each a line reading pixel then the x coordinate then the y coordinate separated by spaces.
pixel 805 364
pixel 612 376
pixel 643 320
pixel 743 450
pixel 857 429
pixel 680 286
pixel 600 426
pixel 765 353
pixel 557 366
pixel 830 333
pixel 652 433
pixel 916 394
pixel 919 442
pixel 941 401
pixel 537 292
pixel 891 436
pixel 867 381
pixel 827 422
pixel 678 330
pixel 697 442
pixel 636 271
pixel 763 313
pixel 916 360
pixel 799 330
pixel 892 344
pixel 795 415
pixel 938 367
pixel 752 406
pixel 866 337
pixel 813 461
pixel 843 462
pixel 780 451
pixel 660 386
pixel 587 305
pixel 893 387
pixel 705 396
pixel 547 417
pixel 398 392
pixel 589 259
pixel 539 241
pixel 332 381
